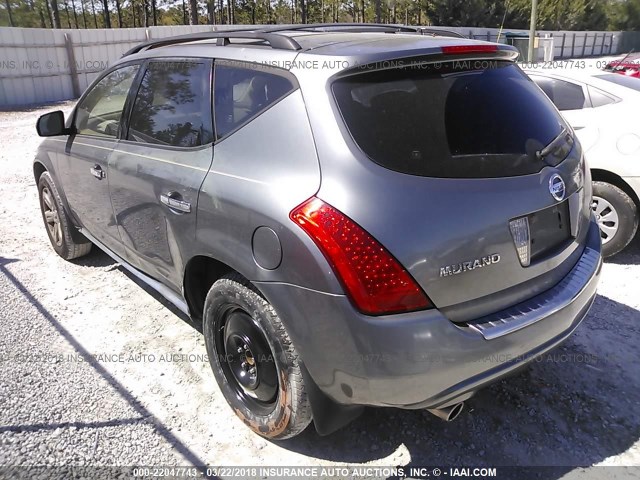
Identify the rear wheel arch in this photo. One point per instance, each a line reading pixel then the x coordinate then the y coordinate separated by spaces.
pixel 199 275
pixel 599 175
pixel 617 211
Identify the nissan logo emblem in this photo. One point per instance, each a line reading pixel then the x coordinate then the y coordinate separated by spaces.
pixel 557 187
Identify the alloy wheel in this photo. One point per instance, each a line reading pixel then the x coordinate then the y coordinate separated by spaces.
pixel 51 217
pixel 607 218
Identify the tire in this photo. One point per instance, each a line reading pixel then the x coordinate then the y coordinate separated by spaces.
pixel 243 331
pixel 617 217
pixel 56 221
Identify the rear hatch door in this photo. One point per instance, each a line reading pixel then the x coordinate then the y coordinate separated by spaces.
pixel 467 174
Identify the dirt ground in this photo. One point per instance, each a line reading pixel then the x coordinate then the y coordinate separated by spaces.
pixel 97 370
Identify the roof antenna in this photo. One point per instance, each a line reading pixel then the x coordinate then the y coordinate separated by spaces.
pixel 506 8
pixel 620 62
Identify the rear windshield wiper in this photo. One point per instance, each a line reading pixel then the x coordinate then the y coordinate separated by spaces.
pixel 563 139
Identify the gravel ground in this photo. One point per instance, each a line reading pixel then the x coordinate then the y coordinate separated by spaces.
pixel 89 373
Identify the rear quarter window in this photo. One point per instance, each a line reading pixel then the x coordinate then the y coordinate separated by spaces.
pixel 241 93
pixel 449 120
pixel 599 98
pixel 565 95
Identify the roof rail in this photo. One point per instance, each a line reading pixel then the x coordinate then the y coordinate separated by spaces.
pixel 345 27
pixel 437 32
pixel 273 36
pixel 281 42
pixel 367 27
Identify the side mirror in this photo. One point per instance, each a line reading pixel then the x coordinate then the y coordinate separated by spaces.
pixel 51 125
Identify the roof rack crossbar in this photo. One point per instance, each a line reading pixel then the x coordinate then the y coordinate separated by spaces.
pixel 281 42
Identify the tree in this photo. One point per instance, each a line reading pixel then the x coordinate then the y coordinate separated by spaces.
pixel 8 3
pixel 193 12
pixel 119 12
pixel 55 14
pixel 75 12
pixel 107 18
pixel 145 13
pixel 41 14
pixel 66 9
pixel 553 14
pixel 95 17
pixel 458 13
pixel 46 5
pixel 84 14
pixel 595 16
pixel 624 15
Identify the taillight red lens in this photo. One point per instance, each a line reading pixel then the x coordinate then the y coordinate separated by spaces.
pixel 463 49
pixel 374 280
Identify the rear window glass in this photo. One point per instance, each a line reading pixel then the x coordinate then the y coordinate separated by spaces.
pixel 449 119
pixel 619 79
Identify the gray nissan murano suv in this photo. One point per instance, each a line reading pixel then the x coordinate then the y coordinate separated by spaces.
pixel 359 215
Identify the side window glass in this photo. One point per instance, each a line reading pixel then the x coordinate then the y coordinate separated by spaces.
pixel 240 94
pixel 546 85
pixel 599 98
pixel 99 113
pixel 569 96
pixel 172 105
pixel 565 95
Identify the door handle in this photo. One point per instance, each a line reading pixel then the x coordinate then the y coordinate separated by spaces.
pixel 97 172
pixel 174 202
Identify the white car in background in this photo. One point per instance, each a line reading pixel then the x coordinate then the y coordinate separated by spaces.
pixel 604 110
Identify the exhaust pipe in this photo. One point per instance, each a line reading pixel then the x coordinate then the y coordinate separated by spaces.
pixel 448 414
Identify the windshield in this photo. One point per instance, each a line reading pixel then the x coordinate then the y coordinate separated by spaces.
pixel 449 119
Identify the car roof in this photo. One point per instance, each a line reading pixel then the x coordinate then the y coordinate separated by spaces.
pixel 349 43
pixel 629 57
pixel 282 44
pixel 339 43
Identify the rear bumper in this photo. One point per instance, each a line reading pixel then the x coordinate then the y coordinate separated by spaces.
pixel 422 359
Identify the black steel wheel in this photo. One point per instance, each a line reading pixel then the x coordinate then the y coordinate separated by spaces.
pixel 248 360
pixel 253 359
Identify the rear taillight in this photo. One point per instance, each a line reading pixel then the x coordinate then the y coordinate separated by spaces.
pixel 464 49
pixel 376 283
